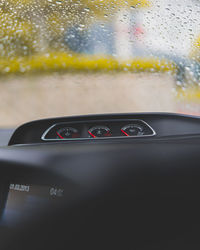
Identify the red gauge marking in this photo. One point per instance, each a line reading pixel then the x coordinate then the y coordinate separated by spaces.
pixel 107 134
pixel 75 135
pixel 124 132
pixel 91 134
pixel 59 135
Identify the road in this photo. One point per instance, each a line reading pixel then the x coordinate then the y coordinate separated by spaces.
pixel 26 98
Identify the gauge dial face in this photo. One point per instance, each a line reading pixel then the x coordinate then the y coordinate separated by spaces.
pixel 99 131
pixel 132 130
pixel 67 133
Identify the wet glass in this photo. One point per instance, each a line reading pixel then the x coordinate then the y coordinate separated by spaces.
pixel 60 58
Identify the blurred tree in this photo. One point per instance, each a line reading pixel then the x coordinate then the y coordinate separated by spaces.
pixel 16 36
pixel 28 26
pixel 195 52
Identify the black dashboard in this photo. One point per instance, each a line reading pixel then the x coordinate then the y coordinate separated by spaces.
pixel 152 158
pixel 102 127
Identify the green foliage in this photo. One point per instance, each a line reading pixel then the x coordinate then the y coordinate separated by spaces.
pixel 16 36
pixel 60 61
pixel 195 52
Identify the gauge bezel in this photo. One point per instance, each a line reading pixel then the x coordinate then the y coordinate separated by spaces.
pixel 69 128
pixel 97 127
pixel 43 137
pixel 123 129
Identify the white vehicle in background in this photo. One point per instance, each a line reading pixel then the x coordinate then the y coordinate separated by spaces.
pixel 132 34
pixel 172 40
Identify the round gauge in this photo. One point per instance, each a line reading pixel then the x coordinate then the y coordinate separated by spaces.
pixel 67 133
pixel 132 130
pixel 99 131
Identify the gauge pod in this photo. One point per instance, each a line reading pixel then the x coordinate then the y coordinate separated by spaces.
pixel 98 129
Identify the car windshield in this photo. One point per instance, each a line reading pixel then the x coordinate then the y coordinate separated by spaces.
pixel 73 57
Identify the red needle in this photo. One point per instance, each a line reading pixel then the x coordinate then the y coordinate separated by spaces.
pixel 91 134
pixel 59 135
pixel 107 134
pixel 124 132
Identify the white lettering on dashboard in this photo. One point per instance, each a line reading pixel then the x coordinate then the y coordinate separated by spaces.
pixel 56 192
pixel 19 187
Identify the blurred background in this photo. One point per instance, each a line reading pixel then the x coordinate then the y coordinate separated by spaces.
pixel 60 58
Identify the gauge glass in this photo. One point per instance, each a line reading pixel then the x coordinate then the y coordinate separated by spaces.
pixel 99 131
pixel 67 133
pixel 132 130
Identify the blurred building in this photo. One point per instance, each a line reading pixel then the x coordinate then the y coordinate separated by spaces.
pixel 159 29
